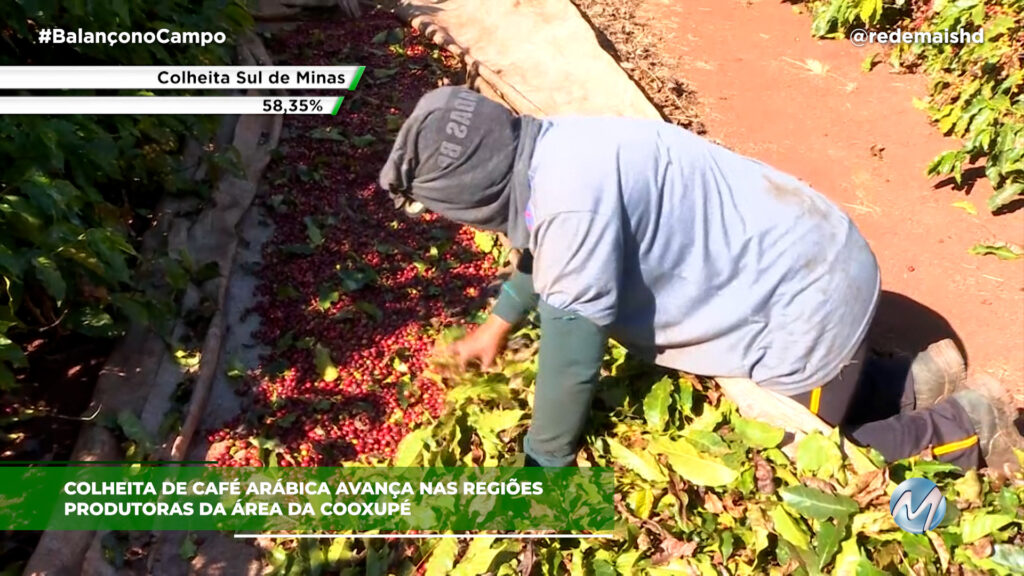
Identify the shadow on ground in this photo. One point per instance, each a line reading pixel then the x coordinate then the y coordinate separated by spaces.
pixel 903 327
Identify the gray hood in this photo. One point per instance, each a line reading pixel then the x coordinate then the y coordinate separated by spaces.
pixel 466 158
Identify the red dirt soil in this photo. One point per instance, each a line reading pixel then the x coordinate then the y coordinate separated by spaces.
pixel 745 61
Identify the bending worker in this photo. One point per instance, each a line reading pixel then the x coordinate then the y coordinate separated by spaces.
pixel 689 255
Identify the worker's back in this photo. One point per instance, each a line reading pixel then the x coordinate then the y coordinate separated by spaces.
pixel 721 265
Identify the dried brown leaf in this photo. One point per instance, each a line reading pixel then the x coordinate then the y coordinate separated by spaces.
pixel 672 548
pixel 713 393
pixel 624 511
pixel 982 548
pixel 736 509
pixel 869 486
pixel 527 559
pixel 678 488
pixel 940 548
pixel 823 485
pixel 477 453
pixel 764 474
pixel 712 503
pixel 643 541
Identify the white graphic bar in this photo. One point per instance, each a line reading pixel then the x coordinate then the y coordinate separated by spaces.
pixel 181 105
pixel 427 536
pixel 179 77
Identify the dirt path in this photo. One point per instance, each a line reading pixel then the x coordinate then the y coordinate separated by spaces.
pixel 746 63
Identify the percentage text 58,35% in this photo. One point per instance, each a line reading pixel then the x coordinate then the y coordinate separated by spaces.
pixel 295 105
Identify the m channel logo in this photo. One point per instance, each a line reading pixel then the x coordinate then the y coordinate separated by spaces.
pixel 917 505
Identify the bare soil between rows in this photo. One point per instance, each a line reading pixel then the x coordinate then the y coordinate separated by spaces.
pixel 858 139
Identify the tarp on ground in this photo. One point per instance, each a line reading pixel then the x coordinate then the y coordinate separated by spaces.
pixel 542 50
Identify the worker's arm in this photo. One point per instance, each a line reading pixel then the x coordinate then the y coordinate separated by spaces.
pixel 517 297
pixel 515 301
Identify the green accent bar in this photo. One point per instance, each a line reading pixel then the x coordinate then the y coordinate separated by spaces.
pixel 337 106
pixel 275 499
pixel 355 80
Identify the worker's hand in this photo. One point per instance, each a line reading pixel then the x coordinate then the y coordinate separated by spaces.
pixel 483 344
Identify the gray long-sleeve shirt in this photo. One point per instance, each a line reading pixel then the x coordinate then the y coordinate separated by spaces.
pixel 696 257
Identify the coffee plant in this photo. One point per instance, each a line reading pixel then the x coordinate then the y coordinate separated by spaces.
pixel 76 191
pixel 977 90
pixel 699 490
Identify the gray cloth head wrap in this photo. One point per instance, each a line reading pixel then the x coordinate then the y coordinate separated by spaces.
pixel 467 158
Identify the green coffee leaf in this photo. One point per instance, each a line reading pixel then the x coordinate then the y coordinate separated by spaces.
pixel 498 420
pixel 757 434
pixel 363 141
pixel 340 551
pixel 1000 250
pixel 642 464
pixel 7 380
pixel 626 562
pixel 684 396
pixel 817 504
pixel 693 466
pixel 1004 195
pixel 133 429
pixel 442 558
pixel 111 248
pixel 370 310
pixel 818 455
pixel 827 541
pixel 1008 556
pixel 485 241
pixel 188 548
pixel 324 364
pixel 706 442
pixel 601 565
pixel 789 529
pixel 93 321
pixel 235 368
pixel 968 488
pixel 641 501
pixel 316 556
pixel 328 133
pixel 11 353
pixel 326 297
pixel 411 448
pixel 977 524
pixel 917 545
pixel 278 557
pixel 1008 502
pixel 478 557
pixel 656 404
pixel 313 232
pixel 50 277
